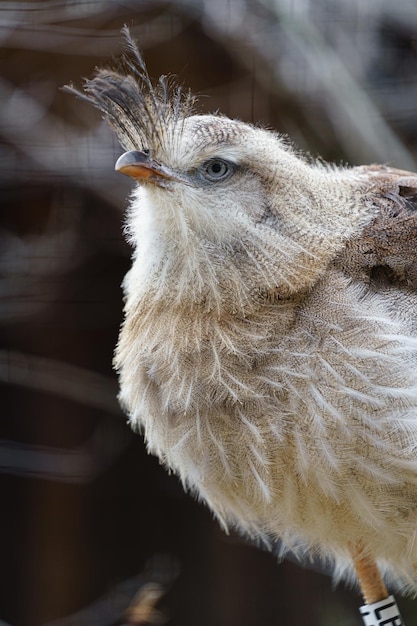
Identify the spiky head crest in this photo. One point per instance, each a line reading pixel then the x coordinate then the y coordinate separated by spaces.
pixel 139 111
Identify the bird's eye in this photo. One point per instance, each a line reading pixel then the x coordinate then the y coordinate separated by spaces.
pixel 216 169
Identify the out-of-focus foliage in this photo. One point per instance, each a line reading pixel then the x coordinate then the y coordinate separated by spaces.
pixel 84 509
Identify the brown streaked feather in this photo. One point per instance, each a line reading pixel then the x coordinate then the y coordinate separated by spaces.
pixel 386 251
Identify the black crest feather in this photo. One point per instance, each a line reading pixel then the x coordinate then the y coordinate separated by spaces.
pixel 139 111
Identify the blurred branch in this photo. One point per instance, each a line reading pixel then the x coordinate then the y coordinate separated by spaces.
pixel 82 463
pixel 18 30
pixel 78 465
pixel 67 381
pixel 29 265
pixel 292 37
pixel 356 118
pixel 141 610
pixel 161 570
pixel 86 160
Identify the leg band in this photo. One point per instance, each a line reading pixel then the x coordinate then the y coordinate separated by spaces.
pixel 382 613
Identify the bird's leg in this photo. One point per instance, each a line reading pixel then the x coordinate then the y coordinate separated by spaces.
pixel 370 580
pixel 380 608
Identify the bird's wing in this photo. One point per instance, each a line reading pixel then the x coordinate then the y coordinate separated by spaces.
pixel 385 253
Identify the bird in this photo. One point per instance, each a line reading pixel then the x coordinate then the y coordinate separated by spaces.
pixel 269 345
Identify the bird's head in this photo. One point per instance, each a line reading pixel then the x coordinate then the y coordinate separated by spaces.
pixel 226 211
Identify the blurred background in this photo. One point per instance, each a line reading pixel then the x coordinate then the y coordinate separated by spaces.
pixel 88 520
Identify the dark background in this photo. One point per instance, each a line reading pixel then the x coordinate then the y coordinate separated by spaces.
pixel 87 518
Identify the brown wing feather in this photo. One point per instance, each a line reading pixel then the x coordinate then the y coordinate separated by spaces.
pixel 386 251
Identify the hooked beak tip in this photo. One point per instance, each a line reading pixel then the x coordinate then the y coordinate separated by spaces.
pixel 140 167
pixel 134 164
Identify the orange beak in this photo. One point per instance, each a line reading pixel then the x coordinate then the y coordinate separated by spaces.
pixel 139 166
